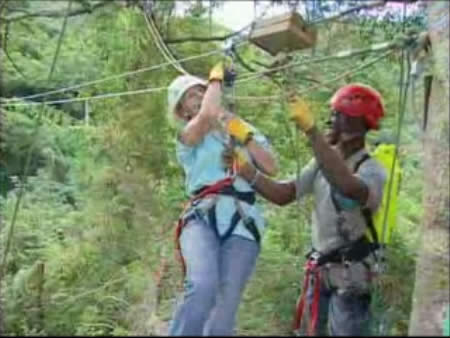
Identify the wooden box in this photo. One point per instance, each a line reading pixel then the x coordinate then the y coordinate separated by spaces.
pixel 283 33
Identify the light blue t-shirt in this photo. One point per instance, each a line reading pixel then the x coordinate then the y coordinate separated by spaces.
pixel 203 165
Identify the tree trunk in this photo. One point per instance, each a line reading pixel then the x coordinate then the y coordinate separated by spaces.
pixel 2 186
pixel 431 290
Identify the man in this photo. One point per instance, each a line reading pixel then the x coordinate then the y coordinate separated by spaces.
pixel 347 187
pixel 220 232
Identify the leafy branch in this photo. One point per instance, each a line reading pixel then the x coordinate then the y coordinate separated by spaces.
pixel 56 14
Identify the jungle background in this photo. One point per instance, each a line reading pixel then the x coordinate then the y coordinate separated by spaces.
pixel 91 251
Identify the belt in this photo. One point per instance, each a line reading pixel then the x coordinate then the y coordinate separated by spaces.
pixel 354 252
pixel 245 196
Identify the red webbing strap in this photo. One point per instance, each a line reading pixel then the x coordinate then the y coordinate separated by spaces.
pixel 315 305
pixel 310 267
pixel 178 253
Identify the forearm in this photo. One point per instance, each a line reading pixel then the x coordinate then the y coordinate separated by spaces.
pixel 275 192
pixel 335 169
pixel 263 158
pixel 212 97
pixel 202 123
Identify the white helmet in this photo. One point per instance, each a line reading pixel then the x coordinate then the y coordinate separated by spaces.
pixel 175 92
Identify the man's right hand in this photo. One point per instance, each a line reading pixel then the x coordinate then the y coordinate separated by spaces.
pixel 301 114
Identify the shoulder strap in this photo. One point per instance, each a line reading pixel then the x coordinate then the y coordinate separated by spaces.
pixel 355 169
pixel 360 162
pixel 366 212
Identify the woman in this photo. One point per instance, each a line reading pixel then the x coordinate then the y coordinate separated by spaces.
pixel 220 233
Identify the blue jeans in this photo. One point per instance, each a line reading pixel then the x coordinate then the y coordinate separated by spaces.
pixel 216 275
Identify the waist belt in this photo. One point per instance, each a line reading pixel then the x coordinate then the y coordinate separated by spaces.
pixel 245 196
pixel 354 252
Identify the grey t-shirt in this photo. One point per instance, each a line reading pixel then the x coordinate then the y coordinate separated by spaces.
pixel 328 231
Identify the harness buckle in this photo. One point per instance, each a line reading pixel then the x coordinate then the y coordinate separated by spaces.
pixel 314 256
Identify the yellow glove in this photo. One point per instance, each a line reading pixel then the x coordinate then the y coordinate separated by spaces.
pixel 217 72
pixel 239 130
pixel 240 159
pixel 234 157
pixel 300 113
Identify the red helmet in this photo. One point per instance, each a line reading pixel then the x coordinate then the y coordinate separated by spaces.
pixel 359 100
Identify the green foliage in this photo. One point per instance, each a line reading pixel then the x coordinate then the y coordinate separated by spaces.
pixel 101 199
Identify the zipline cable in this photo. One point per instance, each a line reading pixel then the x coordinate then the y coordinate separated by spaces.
pixel 150 68
pixel 403 94
pixel 149 90
pixel 160 44
pixel 87 98
pixel 348 11
pixel 112 77
pixel 341 55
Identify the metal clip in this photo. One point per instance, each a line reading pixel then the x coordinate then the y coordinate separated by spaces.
pixel 315 255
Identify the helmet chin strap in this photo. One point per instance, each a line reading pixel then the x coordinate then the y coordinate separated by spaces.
pixel 345 137
pixel 349 143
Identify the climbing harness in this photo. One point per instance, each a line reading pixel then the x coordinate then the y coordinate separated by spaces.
pixel 222 187
pixel 182 221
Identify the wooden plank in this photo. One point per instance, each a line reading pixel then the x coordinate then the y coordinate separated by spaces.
pixel 287 32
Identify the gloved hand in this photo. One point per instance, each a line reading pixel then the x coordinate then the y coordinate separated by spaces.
pixel 300 113
pixel 221 72
pixel 217 72
pixel 234 158
pixel 240 130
